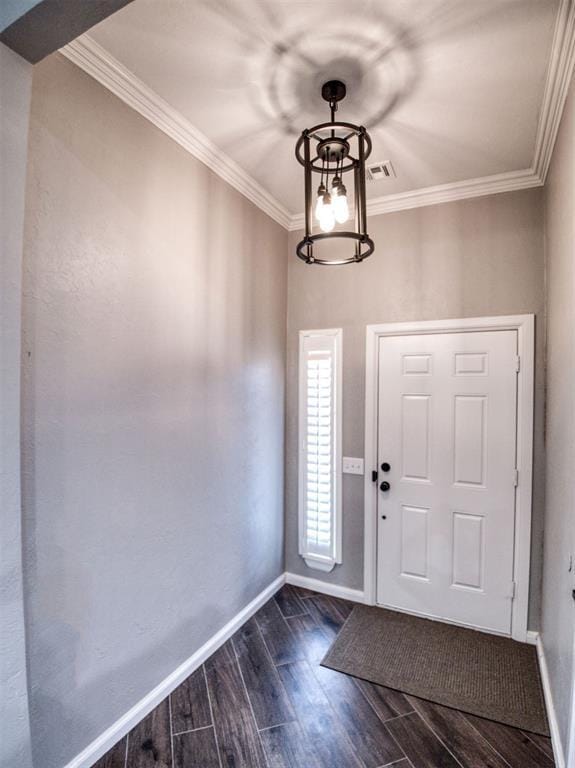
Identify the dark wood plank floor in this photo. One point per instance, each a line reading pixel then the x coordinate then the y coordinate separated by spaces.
pixel 263 701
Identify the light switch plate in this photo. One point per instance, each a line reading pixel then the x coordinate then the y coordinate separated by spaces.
pixel 352 466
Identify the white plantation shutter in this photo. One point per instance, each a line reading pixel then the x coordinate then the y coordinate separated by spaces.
pixel 320 448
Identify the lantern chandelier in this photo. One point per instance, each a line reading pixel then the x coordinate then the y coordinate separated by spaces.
pixel 328 150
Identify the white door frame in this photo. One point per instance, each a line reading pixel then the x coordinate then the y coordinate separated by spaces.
pixel 525 327
pixel 570 746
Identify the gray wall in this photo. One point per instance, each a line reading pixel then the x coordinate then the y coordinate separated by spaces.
pixel 465 259
pixel 154 368
pixel 557 606
pixel 15 82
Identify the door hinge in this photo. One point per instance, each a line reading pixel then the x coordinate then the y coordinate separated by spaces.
pixel 515 477
pixel 374 475
pixel 512 587
pixel 517 364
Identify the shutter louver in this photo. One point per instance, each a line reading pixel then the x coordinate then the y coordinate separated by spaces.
pixel 320 377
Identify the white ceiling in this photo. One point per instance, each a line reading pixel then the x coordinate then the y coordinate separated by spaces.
pixel 450 90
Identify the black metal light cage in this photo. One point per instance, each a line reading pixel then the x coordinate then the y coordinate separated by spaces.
pixel 331 144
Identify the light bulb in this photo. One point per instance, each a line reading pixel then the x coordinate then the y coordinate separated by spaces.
pixel 340 206
pixel 320 201
pixel 326 217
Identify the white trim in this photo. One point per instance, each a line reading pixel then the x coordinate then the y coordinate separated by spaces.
pixel 124 724
pixel 325 588
pixel 571 734
pixel 559 75
pixel 525 327
pixel 317 561
pixel 444 193
pixel 570 744
pixel 551 712
pixel 103 67
pixel 531 637
pixel 458 190
pixel 97 62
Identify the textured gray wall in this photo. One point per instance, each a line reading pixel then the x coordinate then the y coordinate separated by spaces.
pixel 465 259
pixel 558 614
pixel 154 368
pixel 15 83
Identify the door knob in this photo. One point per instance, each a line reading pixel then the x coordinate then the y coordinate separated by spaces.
pixel 385 467
pixel 385 486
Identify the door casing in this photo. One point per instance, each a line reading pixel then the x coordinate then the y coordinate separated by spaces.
pixel 525 327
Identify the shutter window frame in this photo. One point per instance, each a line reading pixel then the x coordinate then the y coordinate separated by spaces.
pixel 320 451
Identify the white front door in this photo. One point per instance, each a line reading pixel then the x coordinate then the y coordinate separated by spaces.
pixel 447 414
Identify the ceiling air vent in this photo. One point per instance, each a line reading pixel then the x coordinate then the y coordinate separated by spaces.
pixel 380 171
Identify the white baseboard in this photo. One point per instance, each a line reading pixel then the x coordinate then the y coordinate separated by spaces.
pixel 531 637
pixel 124 725
pixel 326 588
pixel 551 713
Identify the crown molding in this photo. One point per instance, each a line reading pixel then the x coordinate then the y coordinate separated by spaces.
pixel 87 54
pixel 559 75
pixel 97 62
pixel 445 193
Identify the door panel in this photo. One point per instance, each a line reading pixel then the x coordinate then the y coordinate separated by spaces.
pixel 415 437
pixel 414 541
pixel 469 441
pixel 467 550
pixel 447 427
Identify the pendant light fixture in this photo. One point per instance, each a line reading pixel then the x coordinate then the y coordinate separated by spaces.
pixel 332 151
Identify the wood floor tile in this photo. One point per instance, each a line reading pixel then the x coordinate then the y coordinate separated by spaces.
pixel 149 743
pixel 190 704
pixel 345 607
pixel 115 757
pixel 320 725
pixel 268 613
pixel 234 724
pixel 303 592
pixel 458 735
pixel 278 637
pixel 513 745
pixel 289 602
pixel 310 639
pixel 286 746
pixel 265 690
pixel 196 749
pixel 325 611
pixel 420 745
pixel 386 702
pixel 542 742
pixel 371 740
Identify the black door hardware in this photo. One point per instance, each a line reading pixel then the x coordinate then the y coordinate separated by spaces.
pixel 374 475
pixel 385 467
pixel 385 486
pixel 384 517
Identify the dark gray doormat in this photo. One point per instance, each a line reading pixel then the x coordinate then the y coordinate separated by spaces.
pixel 482 674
